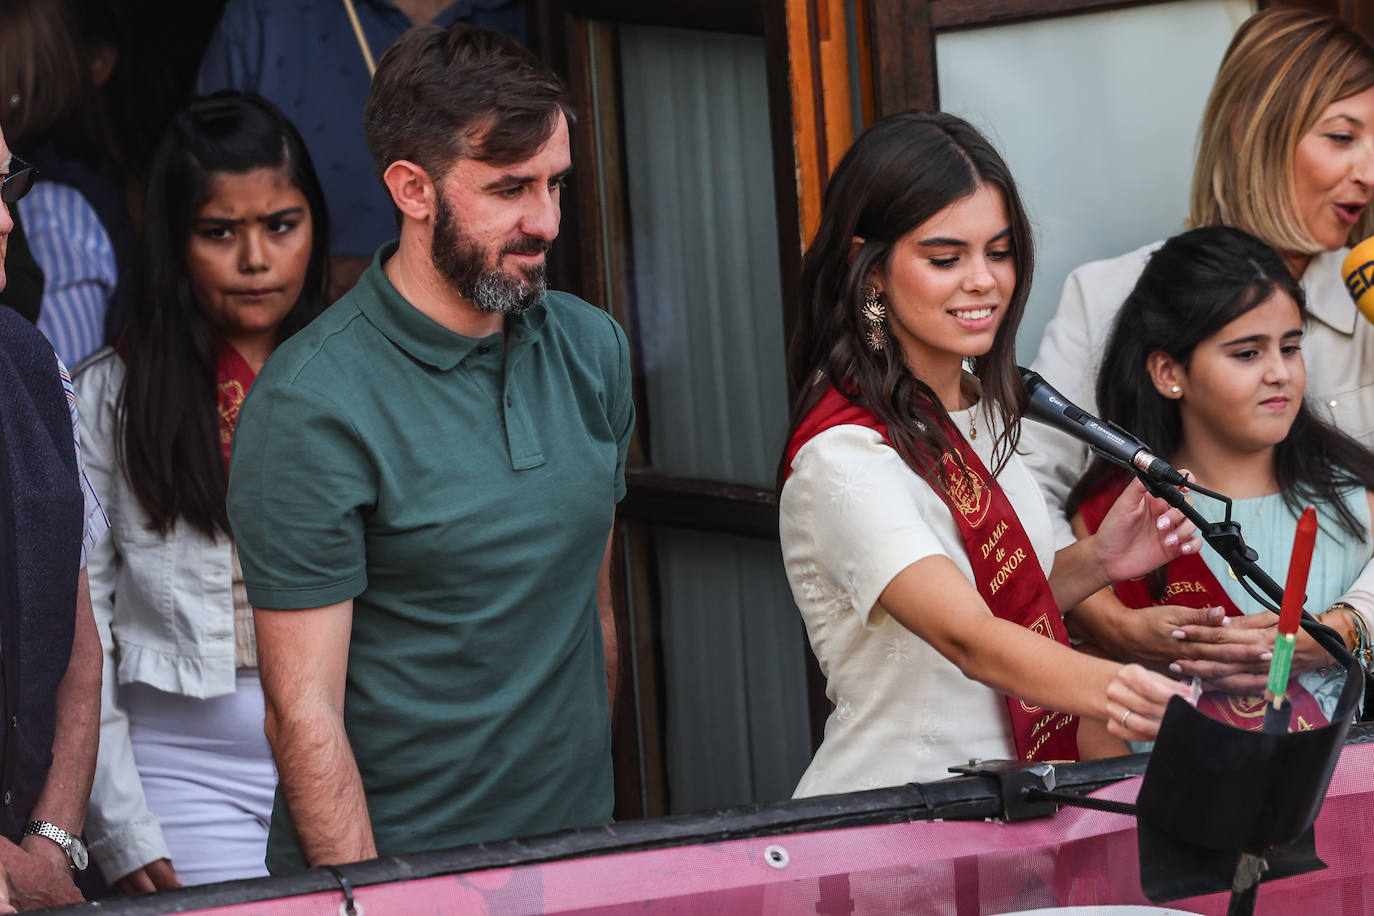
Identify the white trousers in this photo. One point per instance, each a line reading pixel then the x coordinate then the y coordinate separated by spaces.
pixel 208 776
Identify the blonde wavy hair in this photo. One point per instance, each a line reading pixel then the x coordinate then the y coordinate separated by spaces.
pixel 1283 67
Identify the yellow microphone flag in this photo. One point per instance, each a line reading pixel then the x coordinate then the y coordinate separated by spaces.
pixel 1358 271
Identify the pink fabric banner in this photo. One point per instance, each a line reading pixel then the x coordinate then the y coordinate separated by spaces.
pixel 1078 857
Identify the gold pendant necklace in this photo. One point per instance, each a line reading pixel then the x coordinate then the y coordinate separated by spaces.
pixel 973 422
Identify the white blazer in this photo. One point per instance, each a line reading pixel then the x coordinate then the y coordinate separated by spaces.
pixel 165 611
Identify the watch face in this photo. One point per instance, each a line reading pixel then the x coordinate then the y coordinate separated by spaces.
pixel 77 850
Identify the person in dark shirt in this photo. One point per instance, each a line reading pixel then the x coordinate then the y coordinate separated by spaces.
pixel 257 47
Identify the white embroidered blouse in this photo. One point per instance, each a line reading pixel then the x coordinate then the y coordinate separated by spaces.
pixel 853 516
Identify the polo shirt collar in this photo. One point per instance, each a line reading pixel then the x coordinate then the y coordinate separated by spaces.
pixel 422 337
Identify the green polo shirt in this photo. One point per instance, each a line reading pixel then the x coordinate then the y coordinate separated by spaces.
pixel 461 493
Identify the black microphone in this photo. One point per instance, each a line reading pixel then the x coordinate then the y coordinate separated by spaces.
pixel 1110 441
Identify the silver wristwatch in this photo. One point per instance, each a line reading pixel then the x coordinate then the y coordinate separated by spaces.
pixel 71 845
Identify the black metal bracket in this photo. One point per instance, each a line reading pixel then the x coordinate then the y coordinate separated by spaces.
pixel 349 907
pixel 1015 780
pixel 1082 801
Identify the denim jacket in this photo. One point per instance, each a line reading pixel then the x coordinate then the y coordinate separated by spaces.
pixel 165 611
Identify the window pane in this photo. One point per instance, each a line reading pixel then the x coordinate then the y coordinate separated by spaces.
pixel 1097 116
pixel 703 238
pixel 734 653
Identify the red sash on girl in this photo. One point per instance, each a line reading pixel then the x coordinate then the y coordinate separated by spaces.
pixel 1005 568
pixel 233 378
pixel 1189 583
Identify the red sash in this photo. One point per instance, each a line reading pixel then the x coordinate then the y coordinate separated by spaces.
pixel 1005 568
pixel 233 378
pixel 1189 583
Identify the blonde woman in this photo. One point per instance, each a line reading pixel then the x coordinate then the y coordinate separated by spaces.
pixel 1286 153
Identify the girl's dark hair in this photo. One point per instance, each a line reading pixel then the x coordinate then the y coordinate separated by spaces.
pixel 168 417
pixel 1193 286
pixel 900 173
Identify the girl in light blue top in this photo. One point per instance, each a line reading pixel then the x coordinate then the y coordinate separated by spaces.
pixel 1205 364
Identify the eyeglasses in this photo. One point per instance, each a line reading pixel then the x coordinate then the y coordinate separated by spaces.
pixel 17 183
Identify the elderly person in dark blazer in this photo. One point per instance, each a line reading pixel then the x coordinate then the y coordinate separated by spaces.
pixel 50 689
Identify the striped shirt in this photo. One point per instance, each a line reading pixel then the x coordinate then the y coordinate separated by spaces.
pixel 79 273
pixel 96 521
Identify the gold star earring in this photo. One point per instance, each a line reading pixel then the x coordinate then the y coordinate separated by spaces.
pixel 874 315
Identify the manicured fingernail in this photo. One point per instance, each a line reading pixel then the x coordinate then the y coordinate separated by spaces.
pixel 1189 547
pixel 1179 634
pixel 1175 667
pixel 1163 522
pixel 1266 656
pixel 1171 539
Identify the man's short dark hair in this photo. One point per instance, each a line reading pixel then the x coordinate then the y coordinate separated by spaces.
pixel 441 94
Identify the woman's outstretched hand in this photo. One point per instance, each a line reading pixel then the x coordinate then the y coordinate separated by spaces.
pixel 1136 700
pixel 1141 533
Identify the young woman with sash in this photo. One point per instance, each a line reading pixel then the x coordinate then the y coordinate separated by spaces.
pixel 231 261
pixel 918 548
pixel 1205 364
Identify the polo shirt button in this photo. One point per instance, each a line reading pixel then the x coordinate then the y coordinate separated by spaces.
pixel 9 797
pixel 510 401
pixel 1331 403
pixel 484 349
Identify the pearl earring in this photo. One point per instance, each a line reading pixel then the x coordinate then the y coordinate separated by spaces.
pixel 1175 389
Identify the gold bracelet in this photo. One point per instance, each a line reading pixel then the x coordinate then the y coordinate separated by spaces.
pixel 1362 650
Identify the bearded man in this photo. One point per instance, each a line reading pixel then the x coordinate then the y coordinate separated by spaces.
pixel 423 486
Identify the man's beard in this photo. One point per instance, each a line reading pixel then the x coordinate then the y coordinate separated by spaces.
pixel 460 261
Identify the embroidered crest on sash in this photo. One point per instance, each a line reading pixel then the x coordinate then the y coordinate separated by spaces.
pixel 967 491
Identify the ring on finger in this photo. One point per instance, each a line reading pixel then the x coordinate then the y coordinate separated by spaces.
pixel 1124 716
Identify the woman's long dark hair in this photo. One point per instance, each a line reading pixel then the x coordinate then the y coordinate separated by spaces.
pixel 898 174
pixel 168 418
pixel 1193 286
